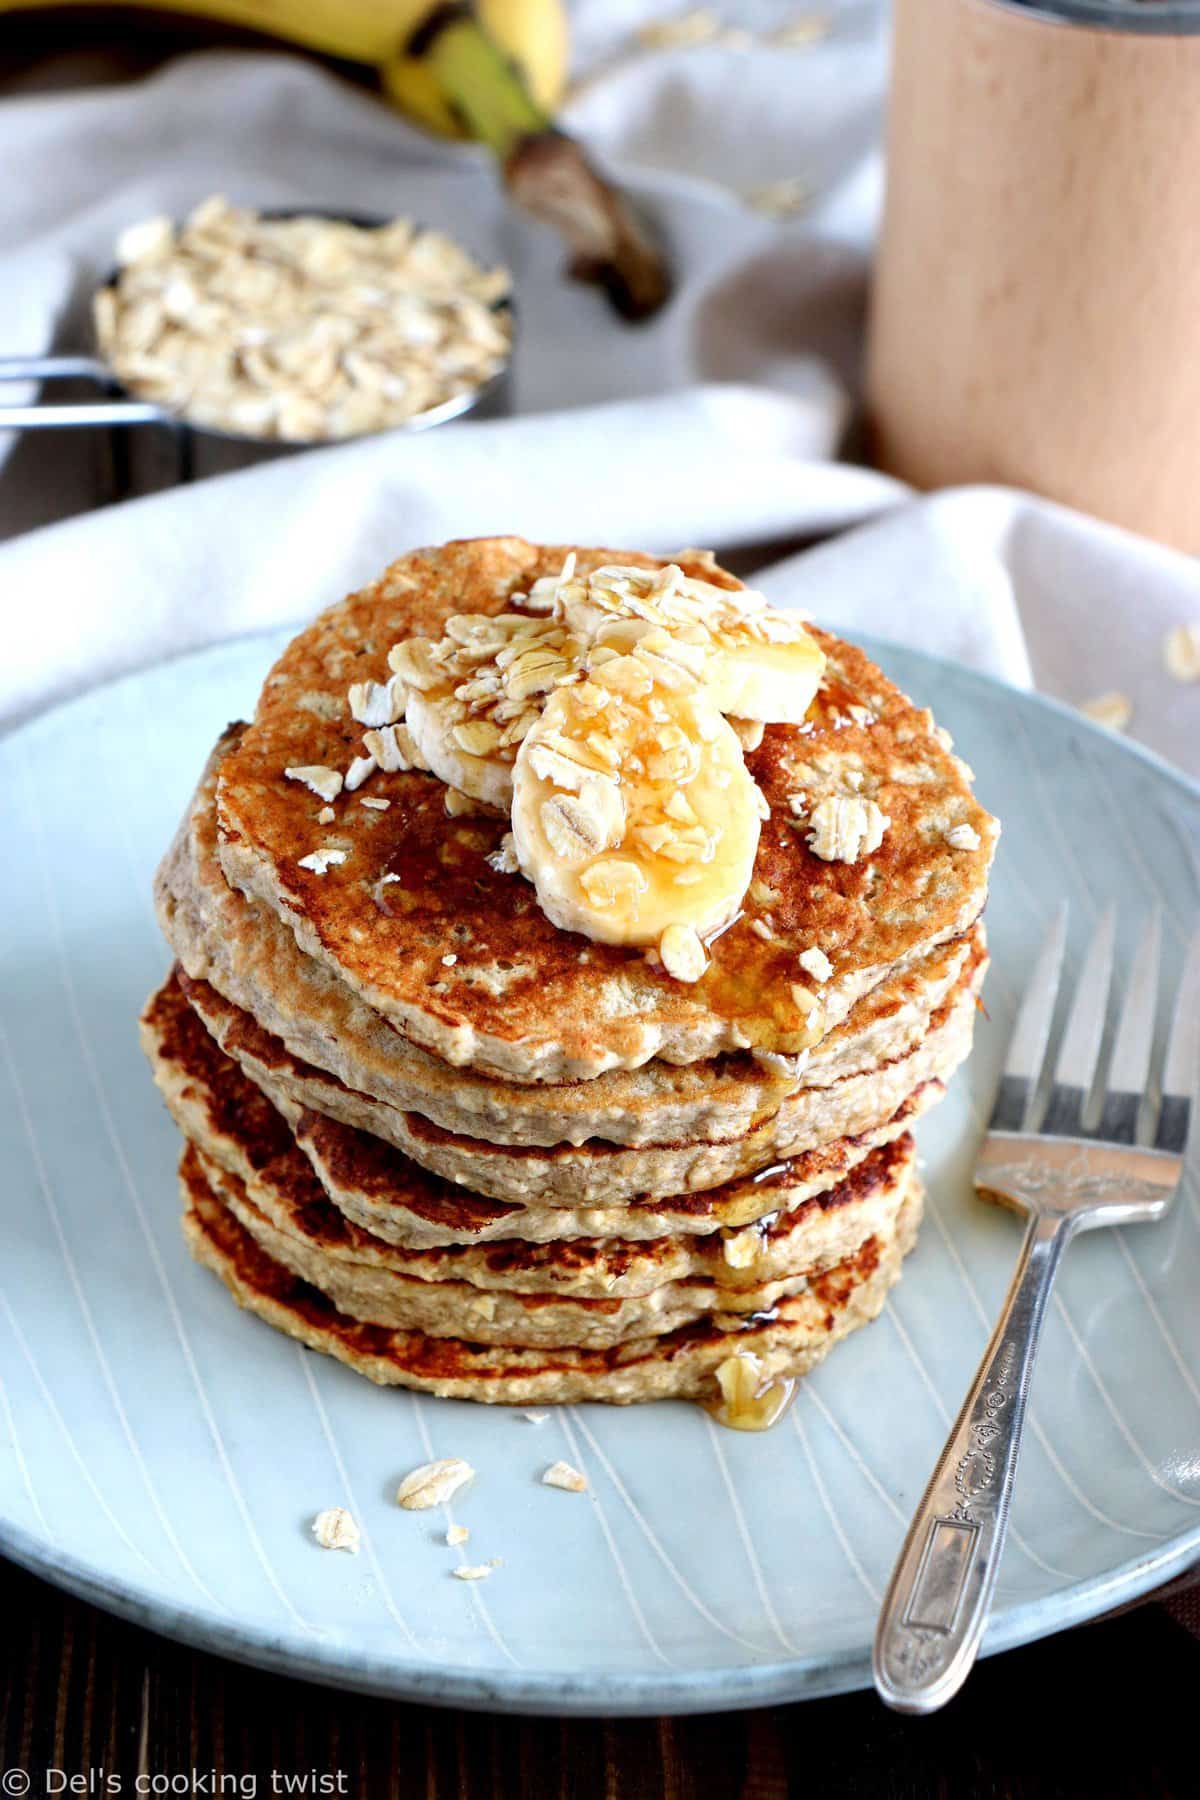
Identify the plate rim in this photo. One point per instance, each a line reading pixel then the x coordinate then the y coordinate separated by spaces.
pixel 611 1693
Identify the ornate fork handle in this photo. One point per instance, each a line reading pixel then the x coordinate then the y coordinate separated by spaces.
pixel 940 1593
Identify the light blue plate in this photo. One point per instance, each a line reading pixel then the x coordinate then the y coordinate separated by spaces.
pixel 164 1455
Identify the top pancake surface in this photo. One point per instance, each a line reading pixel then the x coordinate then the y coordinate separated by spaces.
pixel 523 998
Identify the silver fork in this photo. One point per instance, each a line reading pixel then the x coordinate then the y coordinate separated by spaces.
pixel 1068 1172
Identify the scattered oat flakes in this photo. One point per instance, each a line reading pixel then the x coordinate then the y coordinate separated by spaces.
pixel 963 837
pixel 375 805
pixel 376 703
pixel 846 827
pixel 699 26
pixel 326 816
pixel 800 32
pixel 325 783
pixel 320 860
pixel 1114 710
pixel 683 954
pixel 433 1483
pixel 786 198
pixel 536 1418
pixel 472 1571
pixel 761 929
pixel 562 1475
pixel 449 960
pixel 504 857
pixel 814 962
pixel 335 1529
pixel 457 1534
pixel 1181 652
pixel 392 748
pixel 360 769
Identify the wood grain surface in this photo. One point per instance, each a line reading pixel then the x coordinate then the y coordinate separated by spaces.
pixel 1033 320
pixel 1106 1710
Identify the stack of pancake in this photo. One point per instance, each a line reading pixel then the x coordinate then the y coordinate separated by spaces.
pixel 461 1149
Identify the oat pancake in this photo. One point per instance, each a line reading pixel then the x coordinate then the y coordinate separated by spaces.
pixel 303 1232
pixel 242 949
pixel 597 1174
pixel 679 1364
pixel 800 1215
pixel 527 1001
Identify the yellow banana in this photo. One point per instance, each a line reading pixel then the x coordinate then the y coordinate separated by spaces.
pixel 533 33
pixel 492 70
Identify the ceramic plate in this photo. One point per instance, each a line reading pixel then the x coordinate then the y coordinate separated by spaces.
pixel 164 1455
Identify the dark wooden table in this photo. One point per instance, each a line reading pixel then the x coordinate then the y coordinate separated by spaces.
pixel 1110 1709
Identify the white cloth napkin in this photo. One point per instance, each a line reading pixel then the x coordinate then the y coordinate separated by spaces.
pixel 715 424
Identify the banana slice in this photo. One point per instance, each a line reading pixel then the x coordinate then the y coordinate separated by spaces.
pixel 633 812
pixel 471 697
pixel 760 663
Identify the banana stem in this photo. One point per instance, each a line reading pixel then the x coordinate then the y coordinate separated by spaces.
pixel 545 171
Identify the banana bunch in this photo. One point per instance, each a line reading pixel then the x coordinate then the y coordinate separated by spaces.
pixel 493 70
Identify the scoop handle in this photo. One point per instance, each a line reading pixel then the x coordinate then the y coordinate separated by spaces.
pixel 110 409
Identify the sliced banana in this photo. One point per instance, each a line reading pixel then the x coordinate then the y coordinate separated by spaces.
pixel 759 663
pixel 471 697
pixel 633 812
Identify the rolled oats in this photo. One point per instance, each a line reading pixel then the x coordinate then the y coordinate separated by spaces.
pixel 335 1529
pixel 324 782
pixel 814 962
pixel 846 827
pixel 321 860
pixel 683 954
pixel 433 1483
pixel 301 329
pixel 1181 652
pixel 1113 710
pixel 562 1475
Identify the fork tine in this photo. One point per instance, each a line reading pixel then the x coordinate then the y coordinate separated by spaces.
pixel 1080 1049
pixel 1129 1075
pixel 1031 1030
pixel 1181 1070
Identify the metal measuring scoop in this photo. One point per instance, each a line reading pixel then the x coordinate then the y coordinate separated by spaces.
pixel 115 407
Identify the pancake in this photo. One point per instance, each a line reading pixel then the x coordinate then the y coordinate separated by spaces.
pixel 524 1000
pixel 597 1174
pixel 253 961
pixel 374 1185
pixel 680 1364
pixel 235 1128
pixel 300 1229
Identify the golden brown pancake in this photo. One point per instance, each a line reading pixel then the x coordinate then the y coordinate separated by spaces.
pixel 809 1126
pixel 252 960
pixel 680 1365
pixel 584 1292
pixel 525 1000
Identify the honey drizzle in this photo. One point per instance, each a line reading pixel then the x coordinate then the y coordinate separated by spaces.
pixel 746 1401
